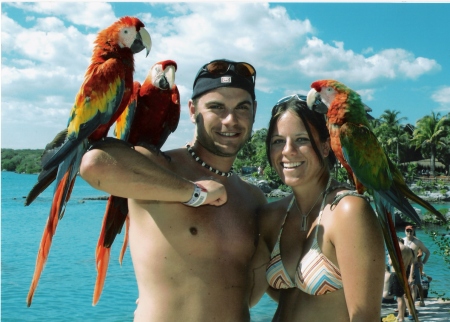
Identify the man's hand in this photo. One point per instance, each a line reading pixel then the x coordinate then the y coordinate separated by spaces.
pixel 217 194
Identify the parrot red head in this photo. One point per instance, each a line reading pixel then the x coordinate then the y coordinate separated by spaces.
pixel 328 90
pixel 162 75
pixel 127 32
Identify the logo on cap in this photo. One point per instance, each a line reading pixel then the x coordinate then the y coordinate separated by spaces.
pixel 225 79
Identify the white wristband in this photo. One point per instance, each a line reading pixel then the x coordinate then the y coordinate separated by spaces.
pixel 198 197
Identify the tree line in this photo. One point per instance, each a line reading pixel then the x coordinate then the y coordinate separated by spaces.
pixel 429 138
pixel 22 161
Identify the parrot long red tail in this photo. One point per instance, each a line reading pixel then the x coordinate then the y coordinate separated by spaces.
pixel 125 240
pixel 49 231
pixel 102 260
pixel 115 215
pixel 102 255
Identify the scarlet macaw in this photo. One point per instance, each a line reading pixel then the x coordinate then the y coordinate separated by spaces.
pixel 366 162
pixel 103 96
pixel 151 116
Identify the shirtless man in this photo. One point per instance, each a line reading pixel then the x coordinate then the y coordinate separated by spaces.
pixel 416 244
pixel 191 249
pixel 395 285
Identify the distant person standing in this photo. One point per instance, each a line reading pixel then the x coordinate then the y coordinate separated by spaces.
pixel 395 285
pixel 416 244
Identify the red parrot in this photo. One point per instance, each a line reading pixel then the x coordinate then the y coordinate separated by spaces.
pixel 103 96
pixel 358 150
pixel 151 116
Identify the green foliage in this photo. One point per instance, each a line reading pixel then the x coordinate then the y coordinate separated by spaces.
pixel 392 135
pixel 429 218
pixel 21 161
pixel 254 152
pixel 443 244
pixel 431 134
pixel 270 175
pixel 339 173
pixel 410 173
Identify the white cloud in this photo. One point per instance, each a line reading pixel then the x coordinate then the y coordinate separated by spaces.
pixel 90 14
pixel 442 96
pixel 321 60
pixel 206 31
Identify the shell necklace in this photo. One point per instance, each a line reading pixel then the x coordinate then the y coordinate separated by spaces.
pixel 204 164
pixel 304 224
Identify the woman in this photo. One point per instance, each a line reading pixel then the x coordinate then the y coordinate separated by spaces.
pixel 325 243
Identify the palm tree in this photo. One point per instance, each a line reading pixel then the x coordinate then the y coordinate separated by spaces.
pixel 431 131
pixel 391 133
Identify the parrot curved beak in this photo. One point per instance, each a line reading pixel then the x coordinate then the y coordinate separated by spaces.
pixel 143 40
pixel 314 103
pixel 169 73
pixel 163 78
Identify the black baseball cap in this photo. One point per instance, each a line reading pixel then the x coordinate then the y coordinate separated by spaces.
pixel 224 73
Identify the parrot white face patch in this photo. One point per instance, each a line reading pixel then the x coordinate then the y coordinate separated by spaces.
pixel 225 79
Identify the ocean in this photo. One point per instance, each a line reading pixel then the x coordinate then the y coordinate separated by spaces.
pixel 67 282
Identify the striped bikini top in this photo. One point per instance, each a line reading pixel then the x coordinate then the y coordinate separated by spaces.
pixel 315 274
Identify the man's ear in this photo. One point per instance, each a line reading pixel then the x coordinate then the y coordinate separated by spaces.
pixel 191 107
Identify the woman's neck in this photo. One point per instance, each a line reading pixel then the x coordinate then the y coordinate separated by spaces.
pixel 306 195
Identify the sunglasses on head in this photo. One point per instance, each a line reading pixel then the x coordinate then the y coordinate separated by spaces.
pixel 285 99
pixel 319 106
pixel 220 67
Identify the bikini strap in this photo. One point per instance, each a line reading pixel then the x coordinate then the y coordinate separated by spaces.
pixel 288 209
pixel 285 216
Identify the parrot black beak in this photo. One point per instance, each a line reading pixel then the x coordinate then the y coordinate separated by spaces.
pixel 142 41
pixel 163 83
pixel 315 103
pixel 320 107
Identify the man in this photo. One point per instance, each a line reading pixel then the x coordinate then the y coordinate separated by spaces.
pixel 416 244
pixel 396 286
pixel 193 229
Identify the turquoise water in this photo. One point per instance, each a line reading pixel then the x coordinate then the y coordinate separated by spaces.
pixel 65 288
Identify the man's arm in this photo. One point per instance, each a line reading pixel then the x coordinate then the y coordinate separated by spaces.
pixel 138 174
pixel 425 251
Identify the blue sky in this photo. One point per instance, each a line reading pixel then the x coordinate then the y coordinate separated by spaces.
pixel 396 55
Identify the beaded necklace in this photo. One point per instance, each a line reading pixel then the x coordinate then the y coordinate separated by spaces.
pixel 204 164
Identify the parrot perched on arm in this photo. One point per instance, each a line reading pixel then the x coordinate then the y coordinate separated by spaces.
pixel 102 97
pixel 358 150
pixel 152 115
